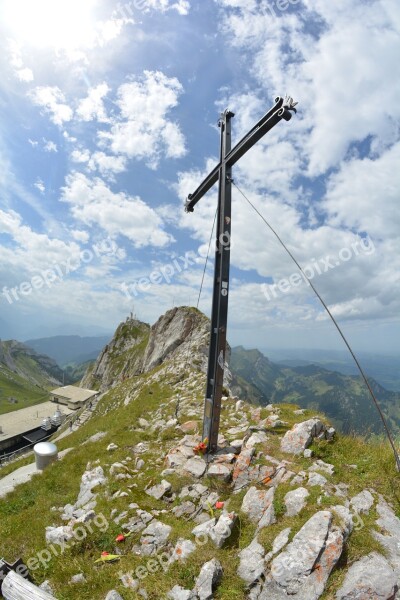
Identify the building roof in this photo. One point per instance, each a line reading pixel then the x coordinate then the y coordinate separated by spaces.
pixel 20 421
pixel 74 394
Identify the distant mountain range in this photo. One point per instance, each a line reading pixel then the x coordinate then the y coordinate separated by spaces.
pixel 69 349
pixel 384 368
pixel 343 398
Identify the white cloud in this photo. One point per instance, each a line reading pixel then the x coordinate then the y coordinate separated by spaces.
pixel 107 164
pixel 53 101
pixel 92 107
pixel 143 129
pixel 340 84
pixel 80 236
pixel 92 202
pixel 25 74
pixel 364 195
pixel 40 185
pixel 181 6
pixel 49 146
pixel 80 156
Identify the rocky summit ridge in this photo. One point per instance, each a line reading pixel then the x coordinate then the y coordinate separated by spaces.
pixel 287 508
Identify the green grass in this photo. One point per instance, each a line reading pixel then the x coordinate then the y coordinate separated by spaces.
pixel 32 503
pixel 15 386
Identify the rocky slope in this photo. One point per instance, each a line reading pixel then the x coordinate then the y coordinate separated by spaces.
pixel 285 509
pixel 38 369
pixel 181 335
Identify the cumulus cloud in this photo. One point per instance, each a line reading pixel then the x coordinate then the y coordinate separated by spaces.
pixel 143 129
pixel 52 100
pixel 92 107
pixel 92 202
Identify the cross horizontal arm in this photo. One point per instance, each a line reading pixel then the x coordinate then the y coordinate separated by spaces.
pixel 278 112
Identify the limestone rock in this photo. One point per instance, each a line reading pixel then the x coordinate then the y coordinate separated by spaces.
pixel 59 535
pixel 390 524
pixel 301 435
pixel 182 550
pixel 369 577
pixel 258 505
pixel 79 578
pixel 90 479
pixel 316 479
pixel 160 490
pixel 195 466
pixel 362 503
pixel 295 501
pixel 220 471
pixel 251 564
pixel 113 595
pixel 155 536
pixel 179 593
pixel 297 561
pixel 223 529
pixel 208 579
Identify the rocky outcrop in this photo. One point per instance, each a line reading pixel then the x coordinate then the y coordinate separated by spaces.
pixel 181 333
pixel 301 435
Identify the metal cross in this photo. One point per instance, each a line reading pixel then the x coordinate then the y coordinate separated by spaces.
pixel 219 314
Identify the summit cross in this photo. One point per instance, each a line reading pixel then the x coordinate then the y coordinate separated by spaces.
pixel 219 314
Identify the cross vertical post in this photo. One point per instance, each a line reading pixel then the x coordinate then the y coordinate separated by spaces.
pixel 219 313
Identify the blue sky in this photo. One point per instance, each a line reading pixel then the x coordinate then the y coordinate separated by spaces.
pixel 109 120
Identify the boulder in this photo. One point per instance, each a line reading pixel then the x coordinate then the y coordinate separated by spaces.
pixel 160 490
pixel 154 537
pixel 295 501
pixel 301 435
pixel 290 567
pixel 362 503
pixel 208 579
pixel 252 564
pixel 258 505
pixel 369 577
pixel 223 529
pixel 195 466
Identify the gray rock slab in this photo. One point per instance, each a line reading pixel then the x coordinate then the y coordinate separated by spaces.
pixel 363 502
pixel 113 595
pixel 295 501
pixel 155 536
pixel 223 529
pixel 208 579
pixel 390 538
pixel 179 593
pixel 301 435
pixel 182 550
pixel 195 466
pixel 220 471
pixel 370 577
pixel 258 505
pixel 316 479
pixel 252 563
pixel 290 567
pixel 160 490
